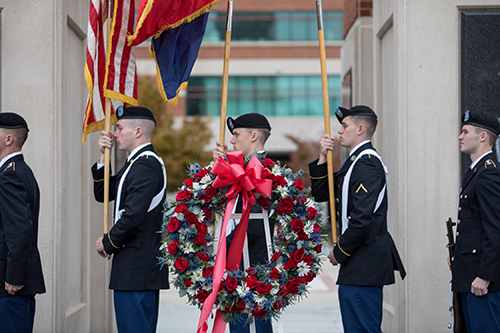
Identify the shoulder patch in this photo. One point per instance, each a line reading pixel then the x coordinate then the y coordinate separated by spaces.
pixel 12 165
pixel 489 163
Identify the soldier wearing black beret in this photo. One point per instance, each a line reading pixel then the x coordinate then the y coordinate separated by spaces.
pixel 21 274
pixel 476 265
pixel 139 191
pixel 250 132
pixel 365 249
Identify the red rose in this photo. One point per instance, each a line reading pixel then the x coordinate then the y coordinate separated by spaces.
pixel 181 264
pixel 301 199
pixel 278 181
pixel 283 291
pixel 172 247
pixel 275 273
pixel 292 287
pixel 297 224
pixel 210 192
pixel 278 305
pixel 201 174
pixel 275 256
pixel 286 205
pixel 298 184
pixel 189 182
pixel 183 195
pixel 318 248
pixel 241 305
pixel 251 271
pixel 291 263
pixel 298 255
pixel 311 213
pixel 251 282
pixel 264 202
pixel 207 212
pixel 231 283
pixel 200 240
pixel 203 256
pixel 181 208
pixel 263 288
pixel 202 295
pixel 208 271
pixel 190 218
pixel 310 276
pixel 188 283
pixel 202 228
pixel 258 312
pixel 308 260
pixel 317 229
pixel 268 162
pixel 302 236
pixel 303 280
pixel 173 225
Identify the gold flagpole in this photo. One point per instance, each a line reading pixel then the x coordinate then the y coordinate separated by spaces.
pixel 107 128
pixel 326 109
pixel 225 73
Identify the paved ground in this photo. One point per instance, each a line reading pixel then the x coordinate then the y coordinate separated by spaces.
pixel 319 313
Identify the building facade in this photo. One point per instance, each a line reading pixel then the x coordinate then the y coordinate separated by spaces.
pixel 421 64
pixel 274 68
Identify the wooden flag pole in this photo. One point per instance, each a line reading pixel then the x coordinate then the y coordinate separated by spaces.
pixel 225 77
pixel 326 109
pixel 225 73
pixel 107 151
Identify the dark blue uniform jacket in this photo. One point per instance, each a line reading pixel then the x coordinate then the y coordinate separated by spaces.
pixel 366 251
pixel 134 240
pixel 477 249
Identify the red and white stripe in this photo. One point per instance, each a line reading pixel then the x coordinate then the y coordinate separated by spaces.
pixel 121 69
pixel 118 72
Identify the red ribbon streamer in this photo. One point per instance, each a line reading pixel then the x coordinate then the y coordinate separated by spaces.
pixel 243 181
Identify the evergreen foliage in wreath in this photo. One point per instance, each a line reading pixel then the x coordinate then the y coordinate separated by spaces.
pixel 262 291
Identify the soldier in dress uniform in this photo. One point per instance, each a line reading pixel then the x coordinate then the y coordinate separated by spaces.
pixel 21 274
pixel 139 192
pixel 476 266
pixel 365 250
pixel 250 132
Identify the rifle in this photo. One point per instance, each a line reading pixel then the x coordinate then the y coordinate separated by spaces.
pixel 456 312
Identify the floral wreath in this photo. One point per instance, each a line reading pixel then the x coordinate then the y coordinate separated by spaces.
pixel 262 291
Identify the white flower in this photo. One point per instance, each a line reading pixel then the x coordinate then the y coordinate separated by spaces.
pixel 276 170
pixel 258 298
pixel 309 228
pixel 187 247
pixel 282 191
pixel 198 186
pixel 206 180
pixel 191 291
pixel 242 290
pixel 302 269
pixel 198 275
pixel 275 289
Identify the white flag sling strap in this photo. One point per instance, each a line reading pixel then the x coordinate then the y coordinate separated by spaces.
pixel 156 199
pixel 345 187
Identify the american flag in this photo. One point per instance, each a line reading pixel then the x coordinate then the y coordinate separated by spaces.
pixel 113 73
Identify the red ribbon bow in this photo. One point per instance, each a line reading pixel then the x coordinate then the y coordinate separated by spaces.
pixel 243 181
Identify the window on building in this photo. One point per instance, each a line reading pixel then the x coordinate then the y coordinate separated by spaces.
pixel 274 26
pixel 268 95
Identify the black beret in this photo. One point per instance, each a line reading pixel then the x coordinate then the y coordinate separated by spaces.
pixel 481 119
pixel 248 120
pixel 358 110
pixel 134 112
pixel 12 120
